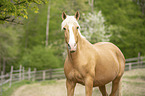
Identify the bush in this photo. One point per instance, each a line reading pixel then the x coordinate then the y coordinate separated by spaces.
pixel 40 58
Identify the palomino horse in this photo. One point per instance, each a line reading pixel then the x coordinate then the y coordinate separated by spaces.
pixel 89 64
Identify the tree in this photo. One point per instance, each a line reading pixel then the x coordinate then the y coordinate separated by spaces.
pixel 11 9
pixel 127 22
pixel 9 44
pixel 40 58
pixel 35 28
pixel 47 25
pixel 35 25
pixel 93 27
pixel 141 3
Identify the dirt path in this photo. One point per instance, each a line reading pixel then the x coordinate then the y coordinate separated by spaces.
pixel 133 85
pixel 56 89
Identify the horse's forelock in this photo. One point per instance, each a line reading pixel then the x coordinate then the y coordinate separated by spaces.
pixel 69 20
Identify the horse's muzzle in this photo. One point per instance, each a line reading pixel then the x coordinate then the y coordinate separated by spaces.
pixel 72 47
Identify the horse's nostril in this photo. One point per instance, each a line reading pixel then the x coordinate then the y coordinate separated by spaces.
pixel 75 44
pixel 69 46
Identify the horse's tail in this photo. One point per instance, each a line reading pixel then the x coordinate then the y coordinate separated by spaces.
pixel 118 92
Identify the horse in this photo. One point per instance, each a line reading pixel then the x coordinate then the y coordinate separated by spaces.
pixel 92 65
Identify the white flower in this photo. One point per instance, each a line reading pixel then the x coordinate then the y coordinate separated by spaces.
pixel 93 27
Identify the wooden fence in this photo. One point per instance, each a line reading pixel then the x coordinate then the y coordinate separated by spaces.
pixel 22 74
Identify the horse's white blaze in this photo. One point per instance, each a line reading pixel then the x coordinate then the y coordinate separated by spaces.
pixel 72 41
pixel 71 21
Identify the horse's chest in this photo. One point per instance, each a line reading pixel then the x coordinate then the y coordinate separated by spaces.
pixel 76 76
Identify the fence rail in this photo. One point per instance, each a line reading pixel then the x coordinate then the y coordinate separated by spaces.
pixel 22 74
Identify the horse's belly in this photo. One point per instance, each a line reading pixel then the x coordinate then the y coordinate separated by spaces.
pixel 100 82
pixel 104 76
pixel 106 70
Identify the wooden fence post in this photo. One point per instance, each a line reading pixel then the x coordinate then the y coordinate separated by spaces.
pixel 50 74
pixel 130 66
pixel 20 72
pixel 11 76
pixel 34 75
pixel 29 73
pixel 0 65
pixel 4 65
pixel 138 59
pixel 141 62
pixel 2 82
pixel 44 75
pixel 2 73
pixel 1 90
pixel 23 74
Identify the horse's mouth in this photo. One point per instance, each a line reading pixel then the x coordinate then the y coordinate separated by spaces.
pixel 72 51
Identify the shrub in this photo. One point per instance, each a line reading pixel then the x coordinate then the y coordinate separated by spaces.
pixel 40 58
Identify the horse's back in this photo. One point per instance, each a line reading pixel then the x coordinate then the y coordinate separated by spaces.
pixel 107 46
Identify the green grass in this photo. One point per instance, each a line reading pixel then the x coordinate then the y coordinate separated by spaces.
pixel 15 86
pixel 48 82
pixel 134 83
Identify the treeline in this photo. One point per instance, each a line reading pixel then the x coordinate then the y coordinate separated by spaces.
pixel 24 43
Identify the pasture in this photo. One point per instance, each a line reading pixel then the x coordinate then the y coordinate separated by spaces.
pixel 133 84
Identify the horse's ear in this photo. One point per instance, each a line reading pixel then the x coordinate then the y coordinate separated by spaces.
pixel 64 16
pixel 77 15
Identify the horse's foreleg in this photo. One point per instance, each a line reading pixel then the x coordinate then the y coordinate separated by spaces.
pixel 103 90
pixel 89 86
pixel 70 85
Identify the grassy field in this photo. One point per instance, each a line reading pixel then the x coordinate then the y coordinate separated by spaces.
pixel 133 84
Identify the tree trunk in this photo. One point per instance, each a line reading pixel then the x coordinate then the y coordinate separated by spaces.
pixel 143 6
pixel 91 3
pixel 92 6
pixel 47 25
pixel 0 65
pixel 26 40
pixel 4 65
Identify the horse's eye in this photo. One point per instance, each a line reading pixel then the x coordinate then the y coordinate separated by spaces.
pixel 77 27
pixel 64 28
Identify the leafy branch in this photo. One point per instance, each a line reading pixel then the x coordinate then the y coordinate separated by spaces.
pixel 12 8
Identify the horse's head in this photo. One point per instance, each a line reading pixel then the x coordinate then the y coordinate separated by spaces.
pixel 71 29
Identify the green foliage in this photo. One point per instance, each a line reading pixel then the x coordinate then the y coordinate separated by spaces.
pixel 15 8
pixel 48 82
pixel 40 58
pixel 9 39
pixel 123 19
pixel 35 27
pixel 71 6
pixel 128 22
